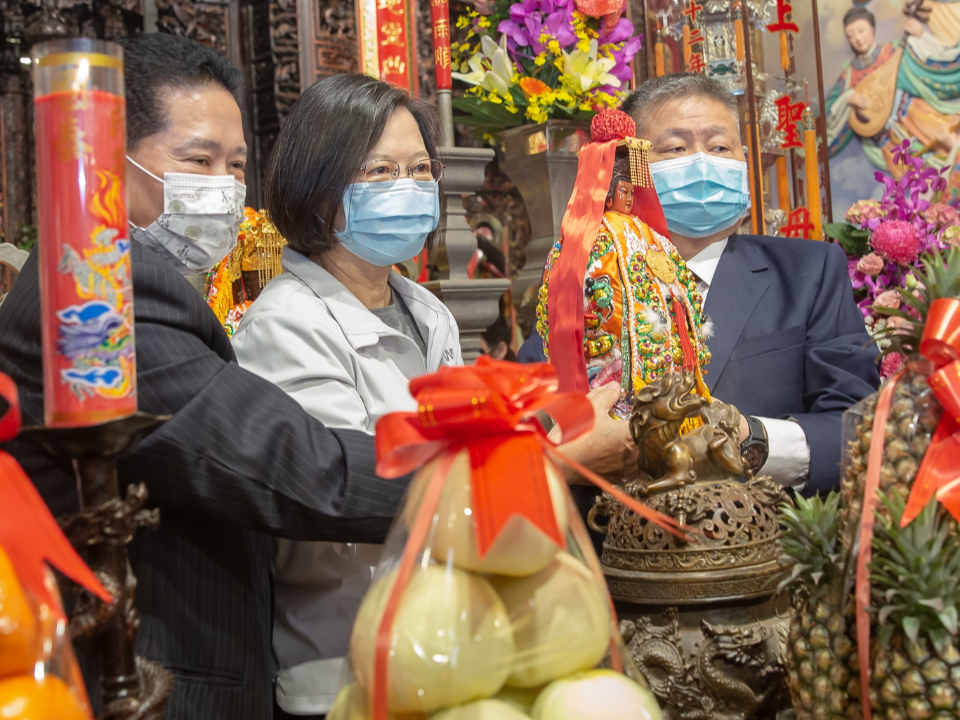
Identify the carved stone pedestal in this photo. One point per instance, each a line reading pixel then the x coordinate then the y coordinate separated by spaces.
pixel 473 302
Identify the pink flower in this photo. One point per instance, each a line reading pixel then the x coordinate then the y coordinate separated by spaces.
pixel 870 264
pixel 941 214
pixel 863 210
pixel 891 365
pixel 895 321
pixel 897 241
pixel 887 299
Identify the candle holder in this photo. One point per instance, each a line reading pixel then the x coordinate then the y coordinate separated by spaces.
pixel 133 688
pixel 86 300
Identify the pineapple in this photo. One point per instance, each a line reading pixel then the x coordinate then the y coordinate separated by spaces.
pixel 821 650
pixel 914 600
pixel 914 657
pixel 914 411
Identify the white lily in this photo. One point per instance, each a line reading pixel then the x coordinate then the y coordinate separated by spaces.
pixel 585 70
pixel 490 68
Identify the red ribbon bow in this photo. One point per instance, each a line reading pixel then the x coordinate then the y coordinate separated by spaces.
pixel 28 533
pixel 489 410
pixel 939 473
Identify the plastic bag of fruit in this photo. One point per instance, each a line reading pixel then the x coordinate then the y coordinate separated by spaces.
pixel 489 603
pixel 39 676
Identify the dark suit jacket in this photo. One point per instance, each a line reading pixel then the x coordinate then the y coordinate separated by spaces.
pixel 788 340
pixel 238 462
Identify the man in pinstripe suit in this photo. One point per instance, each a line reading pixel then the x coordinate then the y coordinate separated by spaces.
pixel 239 460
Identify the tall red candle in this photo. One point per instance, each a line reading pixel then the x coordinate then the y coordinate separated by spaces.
pixel 86 296
pixel 440 20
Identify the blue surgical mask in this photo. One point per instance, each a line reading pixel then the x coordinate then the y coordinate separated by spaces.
pixel 701 194
pixel 387 223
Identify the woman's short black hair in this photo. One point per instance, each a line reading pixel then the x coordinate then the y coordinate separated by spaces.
pixel 157 62
pixel 326 137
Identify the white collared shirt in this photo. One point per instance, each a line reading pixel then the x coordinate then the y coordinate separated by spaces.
pixel 789 460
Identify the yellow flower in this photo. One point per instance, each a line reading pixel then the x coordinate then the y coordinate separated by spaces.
pixel 462 21
pixel 584 70
pixel 585 106
pixel 554 47
pixel 483 23
pixel 583 45
pixel 490 68
pixel 511 108
pixel 540 60
pixel 494 98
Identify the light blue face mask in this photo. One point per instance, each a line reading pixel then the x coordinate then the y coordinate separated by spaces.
pixel 701 194
pixel 387 223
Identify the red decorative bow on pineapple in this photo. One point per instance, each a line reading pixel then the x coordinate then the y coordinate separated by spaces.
pixel 939 473
pixel 28 533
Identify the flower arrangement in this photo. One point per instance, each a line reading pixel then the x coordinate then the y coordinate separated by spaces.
pixel 528 61
pixel 885 238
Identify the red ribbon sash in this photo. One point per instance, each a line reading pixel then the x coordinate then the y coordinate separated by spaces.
pixel 939 473
pixel 28 533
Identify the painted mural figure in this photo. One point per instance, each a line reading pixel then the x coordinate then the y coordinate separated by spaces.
pixel 926 104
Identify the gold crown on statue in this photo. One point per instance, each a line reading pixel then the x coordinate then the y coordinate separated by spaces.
pixel 269 244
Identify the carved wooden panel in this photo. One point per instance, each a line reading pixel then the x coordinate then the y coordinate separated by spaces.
pixel 23 22
pixel 204 22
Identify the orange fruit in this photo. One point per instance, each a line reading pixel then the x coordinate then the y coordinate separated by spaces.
pixel 24 698
pixel 18 624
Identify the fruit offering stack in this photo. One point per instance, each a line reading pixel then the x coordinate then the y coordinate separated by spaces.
pixel 33 636
pixel 520 631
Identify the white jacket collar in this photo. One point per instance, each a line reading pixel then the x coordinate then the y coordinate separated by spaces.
pixel 360 326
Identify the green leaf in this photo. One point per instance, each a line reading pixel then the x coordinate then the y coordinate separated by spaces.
pixel 911 626
pixel 852 239
pixel 948 616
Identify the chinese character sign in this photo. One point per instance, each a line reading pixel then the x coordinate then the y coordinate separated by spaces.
pixel 385 38
pixel 440 19
pixel 798 224
pixel 693 39
pixel 783 23
pixel 788 115
pixel 86 298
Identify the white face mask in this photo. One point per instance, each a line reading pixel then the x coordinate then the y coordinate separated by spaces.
pixel 200 219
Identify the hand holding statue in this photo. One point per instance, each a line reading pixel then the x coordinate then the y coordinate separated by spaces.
pixel 608 449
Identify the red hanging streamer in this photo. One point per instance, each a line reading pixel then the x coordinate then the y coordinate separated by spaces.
pixel 28 532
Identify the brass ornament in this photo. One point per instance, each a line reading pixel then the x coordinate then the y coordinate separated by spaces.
pixel 660 264
pixel 701 618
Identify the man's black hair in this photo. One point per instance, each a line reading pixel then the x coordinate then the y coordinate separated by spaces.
pixel 159 62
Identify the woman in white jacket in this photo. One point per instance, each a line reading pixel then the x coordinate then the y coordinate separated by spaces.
pixel 353 186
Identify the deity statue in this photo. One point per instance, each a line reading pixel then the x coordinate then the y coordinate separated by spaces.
pixel 916 82
pixel 642 314
pixel 236 282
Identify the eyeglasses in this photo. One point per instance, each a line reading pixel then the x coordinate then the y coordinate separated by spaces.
pixel 389 171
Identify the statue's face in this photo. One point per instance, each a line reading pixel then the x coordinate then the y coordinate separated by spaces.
pixel 860 34
pixel 622 197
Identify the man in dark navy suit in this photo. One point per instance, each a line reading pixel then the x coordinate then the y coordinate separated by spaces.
pixel 789 346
